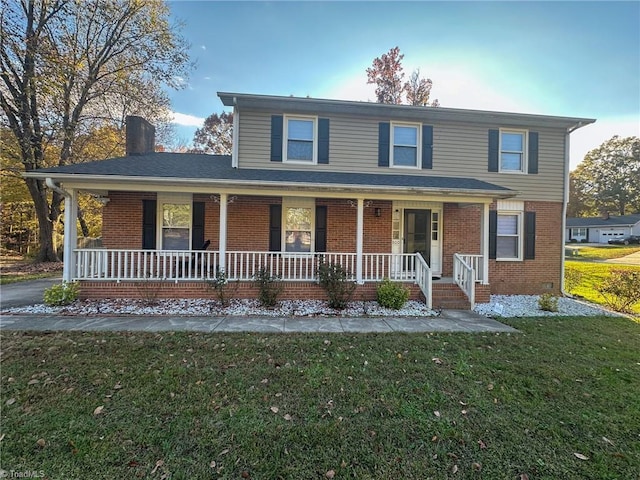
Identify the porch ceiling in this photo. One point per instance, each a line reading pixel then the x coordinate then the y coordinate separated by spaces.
pixel 215 172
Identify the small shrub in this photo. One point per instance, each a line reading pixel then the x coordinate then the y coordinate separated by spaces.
pixel 220 285
pixel 148 290
pixel 61 294
pixel 574 240
pixel 572 278
pixel 270 287
pixel 548 302
pixel 621 290
pixel 334 278
pixel 584 240
pixel 391 294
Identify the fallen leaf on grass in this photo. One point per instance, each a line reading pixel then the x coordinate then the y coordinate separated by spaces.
pixel 490 386
pixel 436 360
pixel 98 410
pixel 33 382
pixel 159 463
pixel 581 456
pixel 454 469
pixel 606 440
pixel 274 409
pixel 224 452
pixel 212 464
pixel 11 401
pixel 330 474
pixel 524 476
pixel 287 417
pixel 476 466
pixel 437 413
pixel 41 442
pixel 482 444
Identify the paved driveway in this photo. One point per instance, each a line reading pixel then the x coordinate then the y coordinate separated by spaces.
pixel 21 294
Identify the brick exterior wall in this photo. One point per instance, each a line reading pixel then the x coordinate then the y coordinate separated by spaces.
pixel 248 229
pixel 532 277
pixel 460 233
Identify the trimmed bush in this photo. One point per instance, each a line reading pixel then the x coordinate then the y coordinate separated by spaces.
pixel 61 294
pixel 334 278
pixel 392 294
pixel 621 290
pixel 548 302
pixel 270 287
pixel 572 278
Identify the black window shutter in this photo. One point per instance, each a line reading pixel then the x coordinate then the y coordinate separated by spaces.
pixel 494 146
pixel 149 224
pixel 529 235
pixel 275 228
pixel 384 135
pixel 321 228
pixel 197 226
pixel 276 138
pixel 427 146
pixel 323 140
pixel 533 152
pixel 493 233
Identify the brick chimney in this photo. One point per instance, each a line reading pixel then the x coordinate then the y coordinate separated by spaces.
pixel 141 136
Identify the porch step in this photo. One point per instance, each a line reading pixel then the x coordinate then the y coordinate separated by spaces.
pixel 449 296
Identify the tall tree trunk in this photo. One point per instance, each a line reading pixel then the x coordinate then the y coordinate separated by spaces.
pixel 38 192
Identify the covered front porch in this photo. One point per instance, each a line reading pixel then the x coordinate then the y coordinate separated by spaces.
pixel 405 240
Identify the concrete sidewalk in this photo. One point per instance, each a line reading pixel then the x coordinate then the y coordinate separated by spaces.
pixel 448 321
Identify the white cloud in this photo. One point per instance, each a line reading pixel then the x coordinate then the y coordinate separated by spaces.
pixel 203 47
pixel 186 120
pixel 592 136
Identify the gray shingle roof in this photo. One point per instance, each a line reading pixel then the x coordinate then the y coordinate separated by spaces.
pixel 182 166
pixel 621 221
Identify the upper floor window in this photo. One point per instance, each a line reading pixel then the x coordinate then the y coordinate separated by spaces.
pixel 300 139
pixel 404 148
pixel 513 150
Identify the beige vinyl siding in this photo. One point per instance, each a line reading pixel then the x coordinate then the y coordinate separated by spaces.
pixel 459 150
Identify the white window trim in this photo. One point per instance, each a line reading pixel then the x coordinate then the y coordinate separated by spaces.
pixel 520 243
pixel 418 128
pixel 285 139
pixel 173 198
pixel 525 151
pixel 298 202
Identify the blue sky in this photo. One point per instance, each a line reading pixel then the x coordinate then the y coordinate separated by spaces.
pixel 559 58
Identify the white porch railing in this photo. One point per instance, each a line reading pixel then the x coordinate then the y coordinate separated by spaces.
pixel 424 279
pixel 178 265
pixel 475 262
pixel 465 278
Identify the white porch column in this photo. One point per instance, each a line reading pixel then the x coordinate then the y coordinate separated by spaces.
pixel 359 240
pixel 484 243
pixel 222 262
pixel 70 235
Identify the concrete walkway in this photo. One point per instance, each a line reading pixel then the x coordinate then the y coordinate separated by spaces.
pixel 448 321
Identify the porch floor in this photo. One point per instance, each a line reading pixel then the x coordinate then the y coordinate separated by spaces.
pixel 448 321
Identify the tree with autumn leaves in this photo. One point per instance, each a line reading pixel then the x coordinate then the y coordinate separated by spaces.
pixel 387 74
pixel 69 69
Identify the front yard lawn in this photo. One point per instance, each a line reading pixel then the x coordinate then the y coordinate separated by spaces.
pixel 603 252
pixel 559 400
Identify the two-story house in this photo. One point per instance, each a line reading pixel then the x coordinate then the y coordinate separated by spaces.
pixel 441 199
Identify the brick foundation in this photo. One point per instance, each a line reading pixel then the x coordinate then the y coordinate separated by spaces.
pixel 160 289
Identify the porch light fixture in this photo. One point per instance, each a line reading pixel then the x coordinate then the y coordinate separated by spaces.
pixel 102 200
pixel 377 211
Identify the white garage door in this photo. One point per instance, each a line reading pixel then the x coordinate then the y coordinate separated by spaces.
pixel 608 234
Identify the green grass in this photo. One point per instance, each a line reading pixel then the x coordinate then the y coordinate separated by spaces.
pixel 604 252
pixel 23 277
pixel 593 274
pixel 190 405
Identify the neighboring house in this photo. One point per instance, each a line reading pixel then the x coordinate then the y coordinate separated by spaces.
pixel 602 229
pixel 404 192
